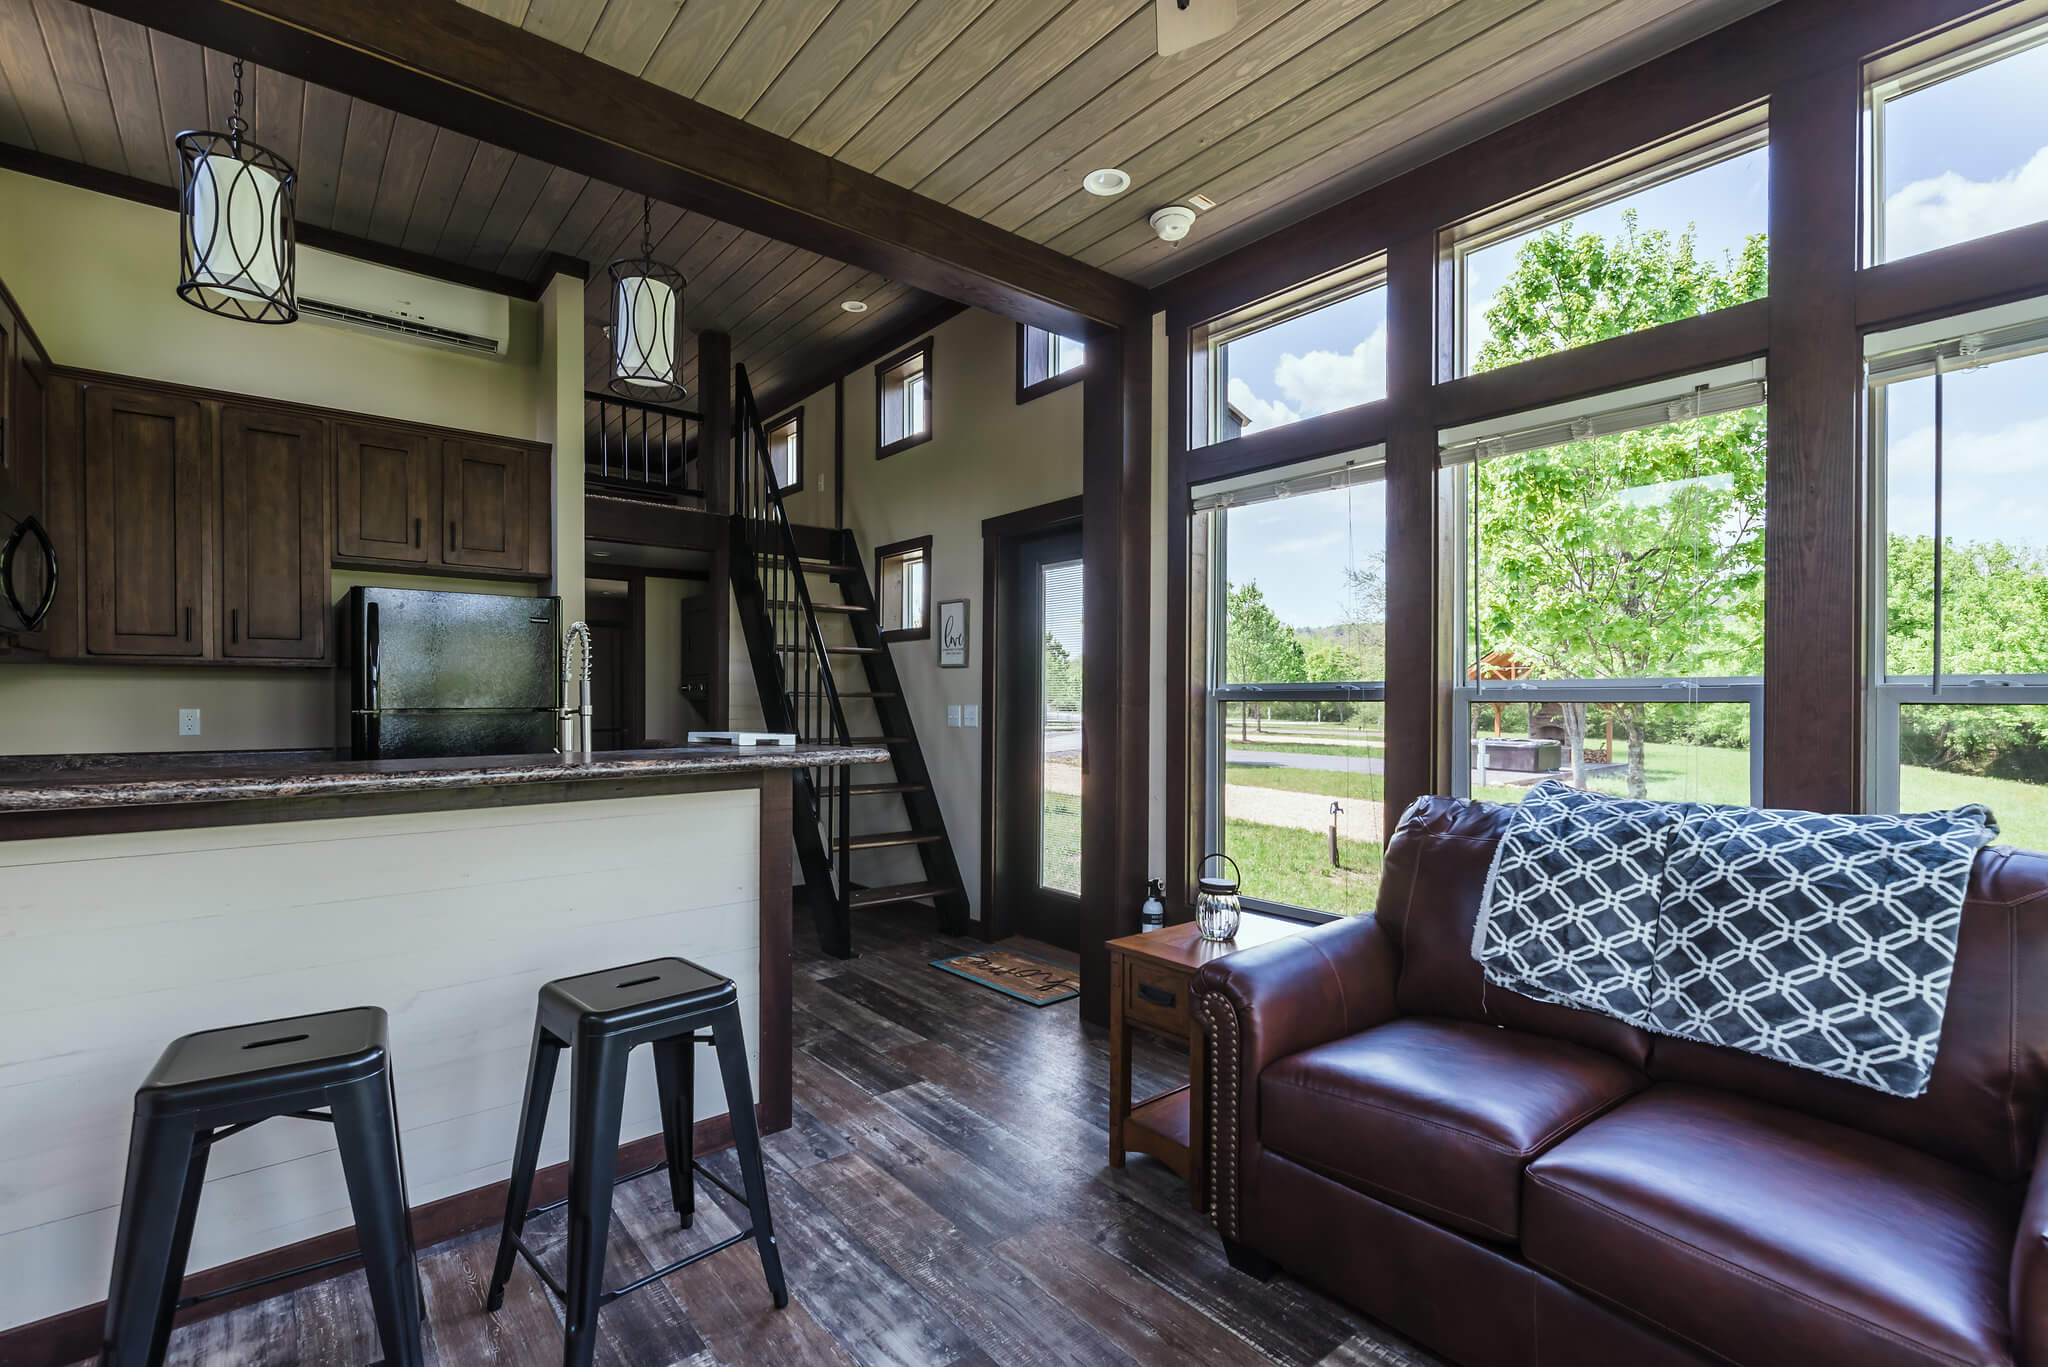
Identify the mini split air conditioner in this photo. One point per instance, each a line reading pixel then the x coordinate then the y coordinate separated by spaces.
pixel 342 291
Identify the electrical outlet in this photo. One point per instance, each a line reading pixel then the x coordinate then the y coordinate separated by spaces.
pixel 970 715
pixel 188 721
pixel 952 714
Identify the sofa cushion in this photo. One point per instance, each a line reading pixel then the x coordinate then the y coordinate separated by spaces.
pixel 1436 1116
pixel 1770 1237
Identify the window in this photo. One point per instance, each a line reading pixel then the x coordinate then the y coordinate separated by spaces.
pixel 1959 427
pixel 1677 235
pixel 1958 145
pixel 1296 736
pixel 786 451
pixel 903 589
pixel 1315 350
pixel 903 400
pixel 1610 594
pixel 1046 361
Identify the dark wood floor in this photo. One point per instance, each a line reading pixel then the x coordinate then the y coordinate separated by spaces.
pixel 943 1199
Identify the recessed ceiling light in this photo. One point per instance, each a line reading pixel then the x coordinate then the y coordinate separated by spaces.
pixel 1108 181
pixel 854 305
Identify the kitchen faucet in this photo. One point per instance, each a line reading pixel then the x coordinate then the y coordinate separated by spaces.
pixel 576 649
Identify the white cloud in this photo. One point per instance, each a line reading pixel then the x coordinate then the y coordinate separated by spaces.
pixel 1325 381
pixel 1990 483
pixel 1950 208
pixel 1259 413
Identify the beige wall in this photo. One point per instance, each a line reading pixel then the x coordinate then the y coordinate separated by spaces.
pixel 987 456
pixel 96 277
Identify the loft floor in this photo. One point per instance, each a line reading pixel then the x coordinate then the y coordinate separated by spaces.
pixel 942 1199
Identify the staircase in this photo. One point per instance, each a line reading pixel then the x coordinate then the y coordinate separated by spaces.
pixel 824 673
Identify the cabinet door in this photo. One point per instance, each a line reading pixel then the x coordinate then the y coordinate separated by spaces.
pixel 147 488
pixel 486 502
pixel 384 487
pixel 273 535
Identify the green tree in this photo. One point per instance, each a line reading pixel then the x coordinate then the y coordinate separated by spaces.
pixel 1062 677
pixel 1634 555
pixel 1261 647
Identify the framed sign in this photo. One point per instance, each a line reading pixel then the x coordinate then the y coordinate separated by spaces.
pixel 953 633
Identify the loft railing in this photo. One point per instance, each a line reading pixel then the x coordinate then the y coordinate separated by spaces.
pixel 791 662
pixel 641 449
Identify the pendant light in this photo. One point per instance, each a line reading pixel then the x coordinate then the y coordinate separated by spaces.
pixel 235 224
pixel 647 317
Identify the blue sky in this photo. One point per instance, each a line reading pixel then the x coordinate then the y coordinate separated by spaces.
pixel 1963 158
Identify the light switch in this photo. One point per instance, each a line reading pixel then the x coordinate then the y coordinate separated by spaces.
pixel 188 721
pixel 970 715
pixel 953 714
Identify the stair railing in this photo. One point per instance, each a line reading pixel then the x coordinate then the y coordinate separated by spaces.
pixel 639 448
pixel 801 694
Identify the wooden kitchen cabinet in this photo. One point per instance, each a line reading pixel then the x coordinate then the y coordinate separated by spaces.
pixel 487 502
pixel 148 482
pixel 385 480
pixel 24 383
pixel 273 536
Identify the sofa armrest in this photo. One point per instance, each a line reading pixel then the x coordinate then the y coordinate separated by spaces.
pixel 2029 1290
pixel 1264 1003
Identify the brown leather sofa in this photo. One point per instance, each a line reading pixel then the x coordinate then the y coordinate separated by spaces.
pixel 1510 1182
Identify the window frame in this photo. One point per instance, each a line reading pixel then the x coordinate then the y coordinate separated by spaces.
pixel 1889 694
pixel 1468 692
pixel 1208 391
pixel 920 351
pixel 792 419
pixel 1035 376
pixel 894 550
pixel 1218 694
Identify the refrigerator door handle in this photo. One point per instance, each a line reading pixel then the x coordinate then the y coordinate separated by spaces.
pixel 370 661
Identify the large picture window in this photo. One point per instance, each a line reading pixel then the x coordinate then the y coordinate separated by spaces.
pixel 1958 145
pixel 1296 729
pixel 1959 426
pixel 1611 592
pixel 1320 348
pixel 1670 239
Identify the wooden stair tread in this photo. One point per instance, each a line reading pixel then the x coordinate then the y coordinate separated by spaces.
pixel 844 693
pixel 876 789
pixel 812 565
pixel 833 650
pixel 849 608
pixel 896 892
pixel 882 840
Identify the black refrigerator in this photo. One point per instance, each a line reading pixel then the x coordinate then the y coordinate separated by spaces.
pixel 451 673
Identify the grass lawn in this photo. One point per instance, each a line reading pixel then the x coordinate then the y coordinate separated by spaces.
pixel 1676 773
pixel 2021 808
pixel 1060 850
pixel 1285 865
pixel 1328 781
pixel 1270 743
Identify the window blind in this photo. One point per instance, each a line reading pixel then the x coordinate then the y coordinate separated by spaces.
pixel 1512 436
pixel 1335 472
pixel 1960 352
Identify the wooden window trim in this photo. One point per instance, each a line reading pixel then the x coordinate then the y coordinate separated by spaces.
pixel 1029 388
pixel 793 418
pixel 883 450
pixel 893 549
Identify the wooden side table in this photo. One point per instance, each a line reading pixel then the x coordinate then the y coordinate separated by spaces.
pixel 1149 978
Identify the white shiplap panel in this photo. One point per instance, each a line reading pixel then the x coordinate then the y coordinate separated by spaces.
pixel 451 921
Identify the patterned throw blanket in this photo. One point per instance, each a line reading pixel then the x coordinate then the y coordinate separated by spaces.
pixel 1820 941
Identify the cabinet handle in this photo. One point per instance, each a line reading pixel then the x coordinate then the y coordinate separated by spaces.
pixel 1158 996
pixel 234 626
pixel 415 533
pixel 188 621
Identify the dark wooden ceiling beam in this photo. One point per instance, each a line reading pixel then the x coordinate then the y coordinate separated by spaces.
pixel 450 65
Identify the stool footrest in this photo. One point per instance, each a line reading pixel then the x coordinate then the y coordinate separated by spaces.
pixel 189 1301
pixel 616 1181
pixel 723 1244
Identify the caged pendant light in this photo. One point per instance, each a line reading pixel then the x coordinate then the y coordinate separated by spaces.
pixel 647 317
pixel 235 221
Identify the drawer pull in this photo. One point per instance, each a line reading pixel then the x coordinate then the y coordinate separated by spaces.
pixel 1158 996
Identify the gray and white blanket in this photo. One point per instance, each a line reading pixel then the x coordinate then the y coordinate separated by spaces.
pixel 1822 941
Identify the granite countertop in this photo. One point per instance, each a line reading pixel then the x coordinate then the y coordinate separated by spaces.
pixel 48 783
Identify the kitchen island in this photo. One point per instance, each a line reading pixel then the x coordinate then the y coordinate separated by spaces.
pixel 144 897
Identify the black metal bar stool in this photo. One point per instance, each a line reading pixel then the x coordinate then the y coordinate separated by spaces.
pixel 603 1017
pixel 218 1083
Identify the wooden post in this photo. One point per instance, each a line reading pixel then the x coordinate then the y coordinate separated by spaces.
pixel 714 459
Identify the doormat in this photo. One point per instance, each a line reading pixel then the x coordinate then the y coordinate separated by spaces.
pixel 1022 976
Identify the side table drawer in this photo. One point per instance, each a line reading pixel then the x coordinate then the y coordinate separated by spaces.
pixel 1156 998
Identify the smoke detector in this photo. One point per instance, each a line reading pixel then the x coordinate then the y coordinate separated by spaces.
pixel 1172 222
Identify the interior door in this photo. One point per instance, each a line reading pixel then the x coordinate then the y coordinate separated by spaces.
pixel 273 501
pixel 147 488
pixel 1038 736
pixel 485 502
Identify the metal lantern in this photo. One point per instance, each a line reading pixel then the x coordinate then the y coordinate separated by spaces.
pixel 647 317
pixel 237 238
pixel 1216 906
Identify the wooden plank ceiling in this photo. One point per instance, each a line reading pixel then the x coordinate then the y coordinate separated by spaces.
pixel 995 107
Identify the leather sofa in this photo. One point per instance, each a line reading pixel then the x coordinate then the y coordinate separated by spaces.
pixel 1510 1182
